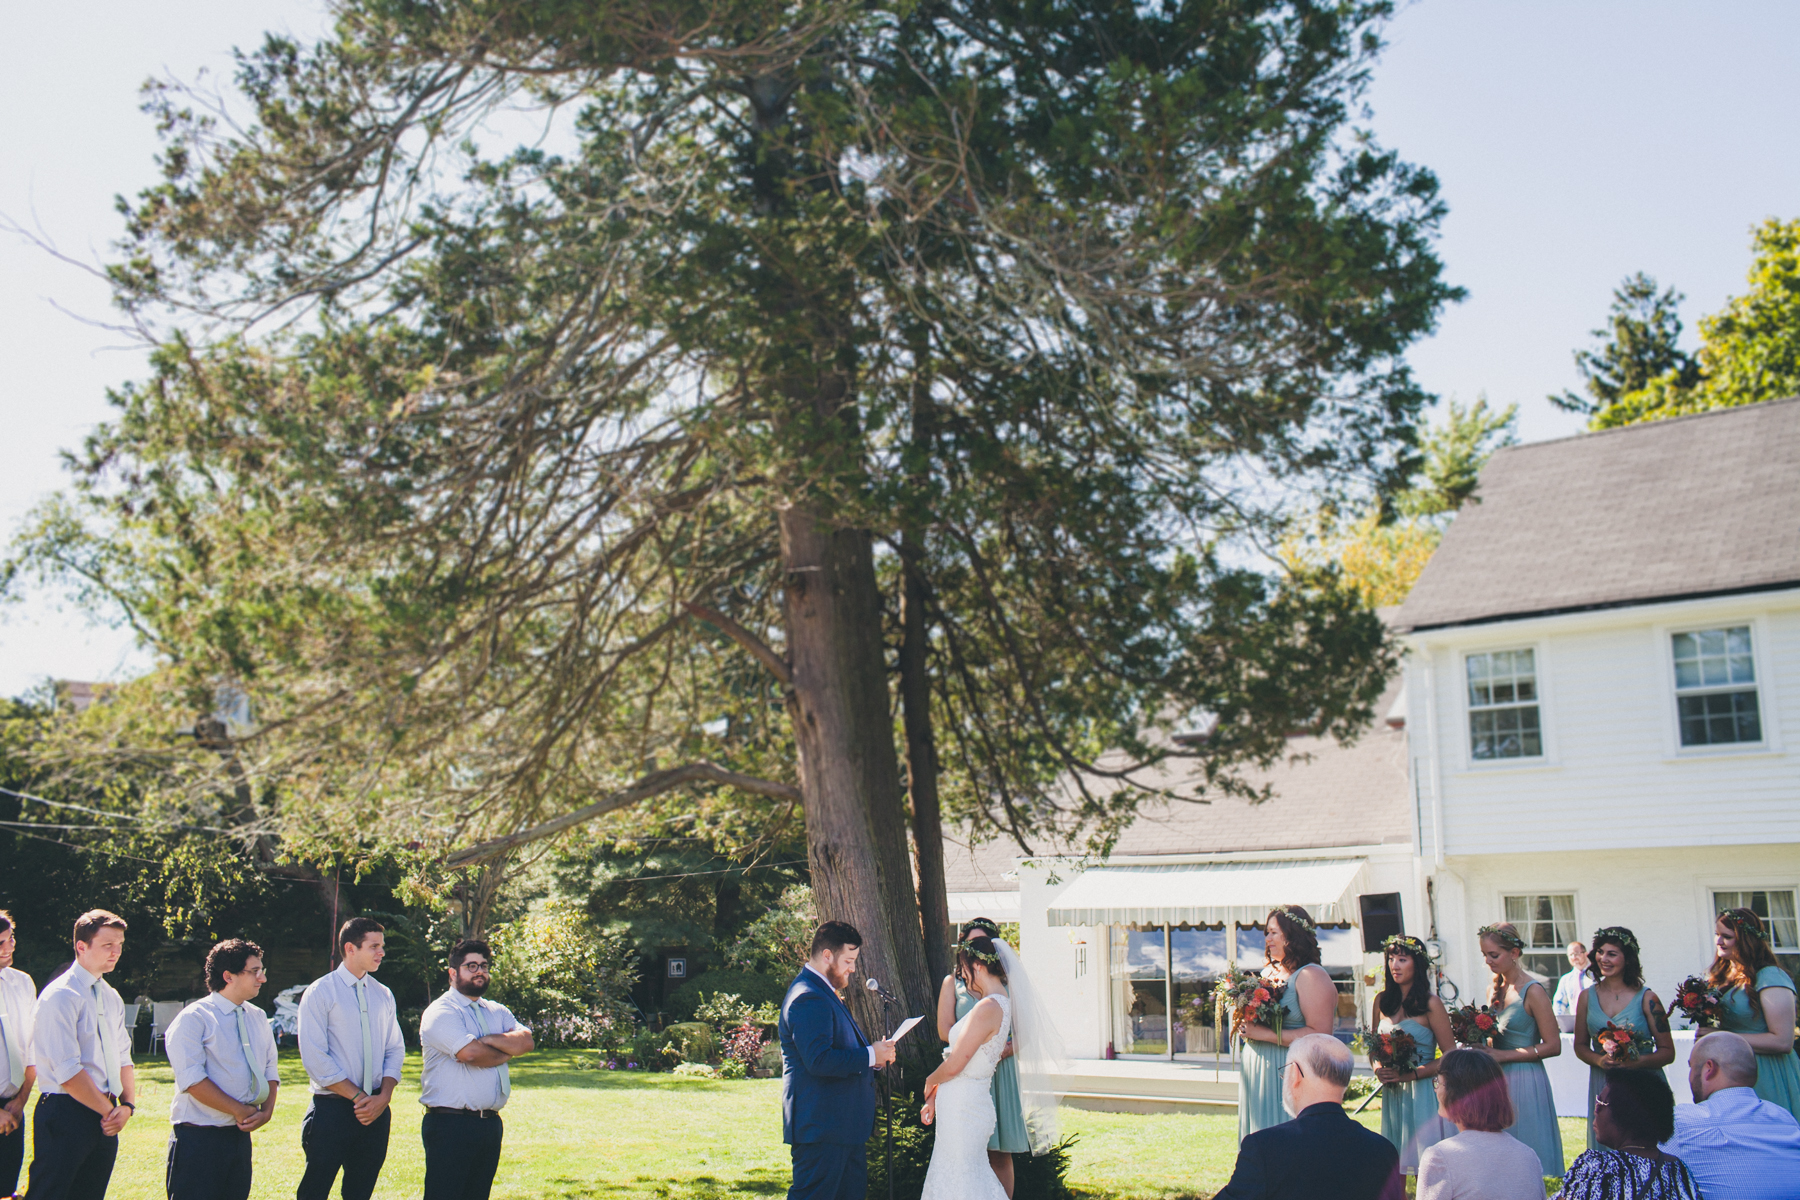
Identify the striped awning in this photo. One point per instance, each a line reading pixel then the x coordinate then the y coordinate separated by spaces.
pixel 1207 893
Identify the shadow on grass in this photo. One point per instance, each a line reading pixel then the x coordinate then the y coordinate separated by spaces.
pixel 700 1187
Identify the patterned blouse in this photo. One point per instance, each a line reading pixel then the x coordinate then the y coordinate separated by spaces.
pixel 1602 1174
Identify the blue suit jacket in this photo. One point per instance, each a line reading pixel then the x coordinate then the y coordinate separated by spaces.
pixel 1319 1155
pixel 827 1085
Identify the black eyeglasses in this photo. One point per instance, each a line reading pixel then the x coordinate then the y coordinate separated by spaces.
pixel 473 964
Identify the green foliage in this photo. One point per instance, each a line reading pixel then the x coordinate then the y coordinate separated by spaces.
pixel 725 997
pixel 691 1042
pixel 778 940
pixel 566 979
pixel 1638 345
pixel 1037 1177
pixel 1455 450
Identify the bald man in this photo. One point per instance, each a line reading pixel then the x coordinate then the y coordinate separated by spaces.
pixel 1321 1154
pixel 1734 1142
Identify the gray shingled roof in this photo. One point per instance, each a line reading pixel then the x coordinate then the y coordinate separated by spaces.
pixel 1698 505
pixel 1352 795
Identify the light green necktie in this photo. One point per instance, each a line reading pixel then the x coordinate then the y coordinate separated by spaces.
pixel 109 1055
pixel 505 1070
pixel 362 1005
pixel 256 1071
pixel 15 1061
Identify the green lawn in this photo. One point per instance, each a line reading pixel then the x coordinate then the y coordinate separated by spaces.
pixel 579 1133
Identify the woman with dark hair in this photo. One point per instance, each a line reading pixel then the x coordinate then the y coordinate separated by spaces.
pixel 1759 1003
pixel 1409 1108
pixel 1308 1004
pixel 1634 1112
pixel 1526 1036
pixel 1620 999
pixel 954 1002
pixel 1481 1161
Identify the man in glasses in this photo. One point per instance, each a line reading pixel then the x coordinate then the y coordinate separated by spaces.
pixel 18 1002
pixel 223 1056
pixel 465 1081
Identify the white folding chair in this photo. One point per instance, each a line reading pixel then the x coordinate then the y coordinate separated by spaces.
pixel 162 1015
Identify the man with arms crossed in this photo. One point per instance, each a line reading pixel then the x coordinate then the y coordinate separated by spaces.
pixel 351 1048
pixel 465 1081
pixel 84 1074
pixel 18 1000
pixel 223 1056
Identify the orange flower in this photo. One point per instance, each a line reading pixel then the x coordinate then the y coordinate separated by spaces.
pixel 1261 996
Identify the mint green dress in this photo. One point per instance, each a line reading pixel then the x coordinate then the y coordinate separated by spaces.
pixel 1010 1134
pixel 1534 1104
pixel 1409 1111
pixel 1777 1075
pixel 1261 1065
pixel 1632 1017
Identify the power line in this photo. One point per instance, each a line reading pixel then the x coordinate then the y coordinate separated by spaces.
pixel 114 816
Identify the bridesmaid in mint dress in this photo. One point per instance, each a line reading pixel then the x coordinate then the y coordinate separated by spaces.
pixel 1759 1003
pixel 1620 997
pixel 1010 1135
pixel 1526 1037
pixel 1409 1108
pixel 1308 1006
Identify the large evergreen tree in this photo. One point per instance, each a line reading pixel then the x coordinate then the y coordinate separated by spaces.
pixel 519 485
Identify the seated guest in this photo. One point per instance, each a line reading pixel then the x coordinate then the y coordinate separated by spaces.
pixel 1733 1141
pixel 1483 1161
pixel 1634 1111
pixel 1321 1154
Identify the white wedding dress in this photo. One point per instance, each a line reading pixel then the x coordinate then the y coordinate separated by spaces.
pixel 965 1121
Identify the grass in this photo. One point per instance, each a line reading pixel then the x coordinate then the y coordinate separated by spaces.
pixel 574 1133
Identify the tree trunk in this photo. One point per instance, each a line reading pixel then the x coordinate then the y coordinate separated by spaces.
pixel 849 772
pixel 922 766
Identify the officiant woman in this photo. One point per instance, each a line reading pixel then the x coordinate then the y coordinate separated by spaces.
pixel 1308 1004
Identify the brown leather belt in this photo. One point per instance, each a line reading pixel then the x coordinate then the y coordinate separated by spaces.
pixel 483 1113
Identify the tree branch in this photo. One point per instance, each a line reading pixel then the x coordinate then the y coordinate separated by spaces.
pixel 652 784
pixel 758 648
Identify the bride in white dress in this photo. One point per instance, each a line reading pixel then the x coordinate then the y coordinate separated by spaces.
pixel 957 1098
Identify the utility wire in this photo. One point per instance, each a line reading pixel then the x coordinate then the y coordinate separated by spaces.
pixel 114 816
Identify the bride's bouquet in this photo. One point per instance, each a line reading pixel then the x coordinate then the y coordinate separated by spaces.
pixel 1250 999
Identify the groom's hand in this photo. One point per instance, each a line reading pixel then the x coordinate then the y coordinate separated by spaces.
pixel 884 1053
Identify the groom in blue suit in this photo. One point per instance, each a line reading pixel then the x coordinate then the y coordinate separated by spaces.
pixel 827 1073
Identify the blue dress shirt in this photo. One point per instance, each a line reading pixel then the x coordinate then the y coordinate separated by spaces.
pixel 449 1025
pixel 1739 1146
pixel 65 1033
pixel 331 1040
pixel 203 1044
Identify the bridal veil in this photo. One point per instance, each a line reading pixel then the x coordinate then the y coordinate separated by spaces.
pixel 1037 1049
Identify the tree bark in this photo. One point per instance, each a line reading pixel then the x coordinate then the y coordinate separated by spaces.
pixel 922 766
pixel 849 771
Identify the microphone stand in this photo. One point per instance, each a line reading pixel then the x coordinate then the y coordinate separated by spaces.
pixel 887 1093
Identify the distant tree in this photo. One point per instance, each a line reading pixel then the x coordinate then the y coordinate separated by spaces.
pixel 1749 350
pixel 1454 450
pixel 1639 344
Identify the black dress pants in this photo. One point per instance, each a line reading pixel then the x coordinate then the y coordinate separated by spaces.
pixel 462 1152
pixel 208 1162
pixel 12 1157
pixel 333 1140
pixel 70 1158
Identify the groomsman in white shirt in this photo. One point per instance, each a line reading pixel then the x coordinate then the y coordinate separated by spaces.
pixel 18 1000
pixel 224 1060
pixel 88 1090
pixel 465 1081
pixel 351 1047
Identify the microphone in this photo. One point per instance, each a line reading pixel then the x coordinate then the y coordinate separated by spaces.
pixel 874 985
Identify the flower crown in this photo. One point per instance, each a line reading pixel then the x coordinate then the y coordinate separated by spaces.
pixel 993 930
pixel 1297 916
pixel 1616 933
pixel 1506 935
pixel 1741 921
pixel 1408 943
pixel 985 957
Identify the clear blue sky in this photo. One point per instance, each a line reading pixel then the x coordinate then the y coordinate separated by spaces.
pixel 1576 142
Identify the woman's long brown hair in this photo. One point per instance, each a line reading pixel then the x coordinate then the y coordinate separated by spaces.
pixel 1753 954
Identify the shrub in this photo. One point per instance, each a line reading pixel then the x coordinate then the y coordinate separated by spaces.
pixel 691 1041
pixel 562 976
pixel 1037 1178
pixel 744 1044
pixel 776 942
pixel 694 1070
pixel 770 1057
pixel 1360 1086
pixel 731 1068
pixel 750 989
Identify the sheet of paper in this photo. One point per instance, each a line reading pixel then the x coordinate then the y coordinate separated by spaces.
pixel 905 1028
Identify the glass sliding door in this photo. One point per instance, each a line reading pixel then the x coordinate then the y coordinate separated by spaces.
pixel 1197 959
pixel 1140 991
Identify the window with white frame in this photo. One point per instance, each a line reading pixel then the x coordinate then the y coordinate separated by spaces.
pixel 1715 687
pixel 1547 923
pixel 1503 705
pixel 1777 909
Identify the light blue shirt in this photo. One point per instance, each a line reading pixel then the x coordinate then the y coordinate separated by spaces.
pixel 331 1043
pixel 1738 1146
pixel 1568 993
pixel 202 1042
pixel 65 1032
pixel 18 1002
pixel 449 1025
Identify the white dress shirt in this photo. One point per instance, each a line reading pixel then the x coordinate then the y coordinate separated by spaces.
pixel 829 984
pixel 331 1032
pixel 66 1034
pixel 1739 1146
pixel 1568 994
pixel 203 1043
pixel 18 1002
pixel 449 1025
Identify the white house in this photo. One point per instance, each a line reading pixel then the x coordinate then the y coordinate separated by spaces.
pixel 1596 724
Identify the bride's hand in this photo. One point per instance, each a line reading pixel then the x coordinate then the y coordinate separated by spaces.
pixel 927 1113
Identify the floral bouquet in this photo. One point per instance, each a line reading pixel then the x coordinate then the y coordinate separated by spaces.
pixel 1396 1050
pixel 1700 1001
pixel 1624 1045
pixel 1251 1000
pixel 1472 1026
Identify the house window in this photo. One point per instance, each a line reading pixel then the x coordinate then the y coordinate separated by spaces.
pixel 1503 705
pixel 1715 687
pixel 1777 910
pixel 1547 923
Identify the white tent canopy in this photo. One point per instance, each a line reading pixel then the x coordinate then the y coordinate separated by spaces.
pixel 1206 893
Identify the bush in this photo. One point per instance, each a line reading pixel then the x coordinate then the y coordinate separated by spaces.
pixel 751 989
pixel 1037 1178
pixel 564 978
pixel 731 1068
pixel 691 1042
pixel 694 1070
pixel 1360 1086
pixel 770 1057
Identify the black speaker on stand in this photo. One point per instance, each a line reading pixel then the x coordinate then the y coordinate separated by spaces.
pixel 1381 919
